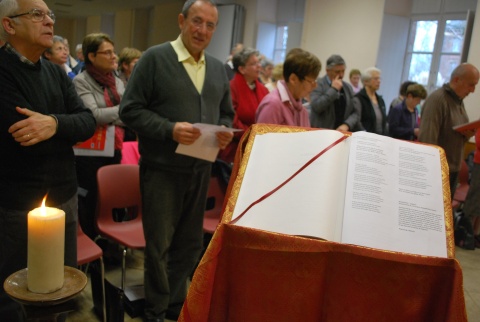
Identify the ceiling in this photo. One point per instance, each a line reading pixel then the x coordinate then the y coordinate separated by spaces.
pixel 84 8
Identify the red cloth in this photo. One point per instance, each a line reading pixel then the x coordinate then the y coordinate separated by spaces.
pixel 111 96
pixel 130 154
pixel 245 103
pixel 252 275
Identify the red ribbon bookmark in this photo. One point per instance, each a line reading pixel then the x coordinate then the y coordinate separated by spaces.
pixel 288 180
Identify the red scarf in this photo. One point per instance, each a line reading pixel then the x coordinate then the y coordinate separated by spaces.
pixel 111 96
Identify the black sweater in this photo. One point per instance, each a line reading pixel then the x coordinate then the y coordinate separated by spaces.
pixel 27 174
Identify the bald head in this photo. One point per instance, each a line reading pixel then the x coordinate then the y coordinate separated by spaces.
pixel 463 80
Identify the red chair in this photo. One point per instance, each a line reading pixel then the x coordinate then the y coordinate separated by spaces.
pixel 463 186
pixel 119 188
pixel 215 198
pixel 87 252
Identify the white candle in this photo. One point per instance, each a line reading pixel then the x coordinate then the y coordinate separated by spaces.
pixel 46 244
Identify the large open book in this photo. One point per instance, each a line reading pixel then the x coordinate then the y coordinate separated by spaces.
pixel 367 190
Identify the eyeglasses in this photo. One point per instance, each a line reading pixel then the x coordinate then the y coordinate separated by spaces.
pixel 37 15
pixel 312 82
pixel 108 53
pixel 198 23
pixel 254 64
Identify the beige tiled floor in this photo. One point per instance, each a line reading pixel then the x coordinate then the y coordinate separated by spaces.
pixel 469 261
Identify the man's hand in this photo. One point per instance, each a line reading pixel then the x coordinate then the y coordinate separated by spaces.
pixel 185 133
pixel 416 132
pixel 468 134
pixel 35 128
pixel 224 138
pixel 343 127
pixel 337 83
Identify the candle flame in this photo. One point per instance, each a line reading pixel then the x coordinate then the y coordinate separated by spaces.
pixel 43 210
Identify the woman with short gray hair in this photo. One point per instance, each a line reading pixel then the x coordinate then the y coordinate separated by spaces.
pixel 266 71
pixel 372 106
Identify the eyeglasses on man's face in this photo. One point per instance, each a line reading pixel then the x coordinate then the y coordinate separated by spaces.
pixel 108 53
pixel 199 24
pixel 36 15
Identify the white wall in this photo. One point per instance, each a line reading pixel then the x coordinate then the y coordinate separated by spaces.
pixel 348 28
pixel 391 55
pixel 472 102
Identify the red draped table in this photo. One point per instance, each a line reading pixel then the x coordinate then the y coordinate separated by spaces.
pixel 253 275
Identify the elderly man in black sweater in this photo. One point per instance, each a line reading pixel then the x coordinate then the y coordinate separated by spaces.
pixel 41 117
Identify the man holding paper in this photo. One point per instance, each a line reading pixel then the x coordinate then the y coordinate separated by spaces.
pixel 443 110
pixel 174 85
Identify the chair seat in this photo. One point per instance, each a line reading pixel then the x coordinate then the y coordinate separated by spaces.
pixel 461 192
pixel 87 250
pixel 455 204
pixel 125 233
pixel 210 224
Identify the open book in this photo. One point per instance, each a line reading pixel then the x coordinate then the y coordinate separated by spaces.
pixel 367 190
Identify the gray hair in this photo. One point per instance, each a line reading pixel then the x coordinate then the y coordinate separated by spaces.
pixel 266 62
pixel 335 60
pixel 241 58
pixel 55 40
pixel 367 74
pixel 189 3
pixel 7 8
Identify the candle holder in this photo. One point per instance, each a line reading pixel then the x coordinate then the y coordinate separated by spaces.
pixel 16 287
pixel 46 307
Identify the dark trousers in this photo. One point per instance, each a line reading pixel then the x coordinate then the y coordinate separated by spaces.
pixel 13 250
pixel 173 207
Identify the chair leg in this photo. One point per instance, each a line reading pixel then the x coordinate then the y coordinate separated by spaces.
pixel 104 306
pixel 124 267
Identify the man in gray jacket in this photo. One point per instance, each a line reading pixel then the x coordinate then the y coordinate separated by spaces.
pixel 331 102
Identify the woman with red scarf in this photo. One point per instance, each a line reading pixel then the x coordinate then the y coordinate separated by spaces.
pixel 101 91
pixel 247 93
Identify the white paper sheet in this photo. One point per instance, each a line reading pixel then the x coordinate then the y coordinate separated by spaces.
pixel 206 146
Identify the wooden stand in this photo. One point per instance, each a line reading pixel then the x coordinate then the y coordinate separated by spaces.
pixel 46 307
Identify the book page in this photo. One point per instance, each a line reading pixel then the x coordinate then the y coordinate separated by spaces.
pixel 394 196
pixel 309 203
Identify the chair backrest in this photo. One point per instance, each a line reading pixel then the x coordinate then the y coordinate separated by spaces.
pixel 118 188
pixel 463 174
pixel 215 198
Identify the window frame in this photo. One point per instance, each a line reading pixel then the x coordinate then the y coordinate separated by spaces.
pixel 437 52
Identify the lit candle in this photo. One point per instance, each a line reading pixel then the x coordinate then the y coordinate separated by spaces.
pixel 46 244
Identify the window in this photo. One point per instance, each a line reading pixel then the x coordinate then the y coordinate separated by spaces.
pixel 280 49
pixel 434 49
